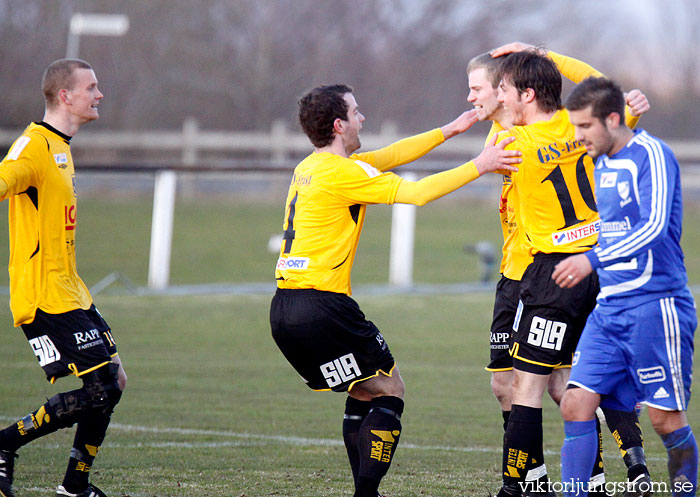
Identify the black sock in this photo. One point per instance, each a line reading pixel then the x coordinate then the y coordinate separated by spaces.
pixel 522 446
pixel 91 431
pixel 506 415
pixel 627 432
pixel 598 468
pixel 378 438
pixel 34 425
pixel 355 413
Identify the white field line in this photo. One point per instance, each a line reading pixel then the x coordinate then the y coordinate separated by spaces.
pixel 253 439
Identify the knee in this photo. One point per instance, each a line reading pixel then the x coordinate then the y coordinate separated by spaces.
pixel 397 388
pixel 556 391
pixel 100 392
pixel 578 405
pixel 121 379
pixel 103 388
pixel 501 386
pixel 665 422
pixel 556 386
pixel 568 407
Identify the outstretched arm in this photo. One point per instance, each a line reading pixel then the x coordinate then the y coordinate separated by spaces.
pixel 494 157
pixel 414 147
pixel 570 68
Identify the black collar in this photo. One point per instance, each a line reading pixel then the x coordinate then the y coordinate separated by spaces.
pixel 65 137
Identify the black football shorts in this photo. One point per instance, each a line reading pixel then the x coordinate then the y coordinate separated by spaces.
pixel 326 338
pixel 504 307
pixel 74 342
pixel 549 319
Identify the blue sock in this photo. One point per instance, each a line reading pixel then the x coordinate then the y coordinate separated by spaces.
pixel 578 456
pixel 682 452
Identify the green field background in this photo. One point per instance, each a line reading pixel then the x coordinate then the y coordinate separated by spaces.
pixel 213 409
pixel 225 241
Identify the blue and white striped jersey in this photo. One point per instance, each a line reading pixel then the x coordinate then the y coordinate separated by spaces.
pixel 638 193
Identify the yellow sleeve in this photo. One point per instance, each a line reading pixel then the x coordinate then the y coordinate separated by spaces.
pixel 630 120
pixel 573 69
pixel 436 185
pixel 577 71
pixel 3 189
pixel 403 151
pixel 18 170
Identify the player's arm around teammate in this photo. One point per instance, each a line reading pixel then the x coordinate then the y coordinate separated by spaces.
pixel 315 323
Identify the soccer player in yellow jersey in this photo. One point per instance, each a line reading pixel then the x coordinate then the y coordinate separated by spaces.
pixel 316 324
pixel 47 297
pixel 484 78
pixel 556 215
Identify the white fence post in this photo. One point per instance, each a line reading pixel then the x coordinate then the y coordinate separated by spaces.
pixel 278 137
pixel 189 155
pixel 162 229
pixel 403 227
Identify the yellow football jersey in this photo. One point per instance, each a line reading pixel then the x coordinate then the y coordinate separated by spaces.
pixel 325 210
pixel 40 178
pixel 554 186
pixel 516 247
pixel 515 252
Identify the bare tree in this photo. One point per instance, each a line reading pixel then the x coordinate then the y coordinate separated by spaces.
pixel 240 65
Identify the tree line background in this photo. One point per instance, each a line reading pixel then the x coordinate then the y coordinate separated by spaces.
pixel 237 64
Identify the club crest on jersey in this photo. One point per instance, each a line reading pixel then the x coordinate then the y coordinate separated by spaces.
pixel 292 263
pixel 61 160
pixel 608 180
pixel 623 190
pixel 575 234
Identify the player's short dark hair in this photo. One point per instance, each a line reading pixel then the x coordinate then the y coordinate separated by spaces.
pixel 490 64
pixel 59 76
pixel 603 95
pixel 318 110
pixel 529 69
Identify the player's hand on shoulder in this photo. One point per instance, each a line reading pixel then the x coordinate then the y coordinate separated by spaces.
pixel 637 102
pixel 494 157
pixel 460 125
pixel 514 47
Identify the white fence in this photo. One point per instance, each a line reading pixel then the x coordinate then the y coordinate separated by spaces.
pixel 278 144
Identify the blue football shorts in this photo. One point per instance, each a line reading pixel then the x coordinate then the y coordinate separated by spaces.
pixel 638 354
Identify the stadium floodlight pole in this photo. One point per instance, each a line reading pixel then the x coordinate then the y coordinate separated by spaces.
pixel 93 24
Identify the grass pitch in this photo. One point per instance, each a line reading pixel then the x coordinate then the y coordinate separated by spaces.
pixel 212 408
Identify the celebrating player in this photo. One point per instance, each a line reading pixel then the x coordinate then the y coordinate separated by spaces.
pixel 316 324
pixel 47 297
pixel 556 214
pixel 484 77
